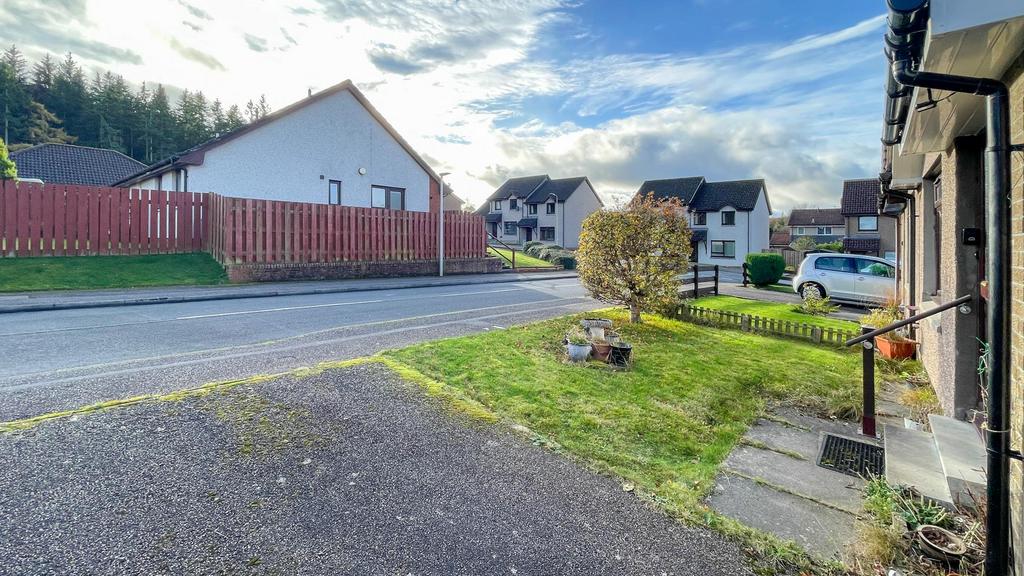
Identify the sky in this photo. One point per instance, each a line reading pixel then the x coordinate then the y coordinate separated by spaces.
pixel 621 91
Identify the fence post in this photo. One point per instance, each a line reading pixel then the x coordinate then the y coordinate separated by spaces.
pixel 513 258
pixel 744 274
pixel 867 425
pixel 745 322
pixel 716 279
pixel 816 334
pixel 696 281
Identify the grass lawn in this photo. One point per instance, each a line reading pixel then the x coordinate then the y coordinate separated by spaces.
pixel 667 424
pixel 775 310
pixel 89 272
pixel 522 260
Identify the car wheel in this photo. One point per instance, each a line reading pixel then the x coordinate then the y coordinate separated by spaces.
pixel 812 290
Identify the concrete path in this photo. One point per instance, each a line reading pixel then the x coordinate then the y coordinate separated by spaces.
pixel 78 299
pixel 345 472
pixel 771 481
pixel 62 359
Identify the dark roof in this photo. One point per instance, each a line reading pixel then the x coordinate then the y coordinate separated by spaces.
pixel 740 194
pixel 681 188
pixel 518 187
pixel 700 235
pixel 194 156
pixel 816 217
pixel 494 217
pixel 780 238
pixel 861 244
pixel 68 164
pixel 560 189
pixel 860 197
pixel 703 196
pixel 528 223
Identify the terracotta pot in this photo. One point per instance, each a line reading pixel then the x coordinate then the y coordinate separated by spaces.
pixel 941 544
pixel 601 351
pixel 895 349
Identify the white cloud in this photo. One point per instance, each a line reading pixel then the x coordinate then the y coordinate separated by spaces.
pixel 457 79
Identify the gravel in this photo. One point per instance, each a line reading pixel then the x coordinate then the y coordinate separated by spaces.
pixel 348 471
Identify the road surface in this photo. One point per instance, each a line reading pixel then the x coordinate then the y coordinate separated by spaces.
pixel 56 360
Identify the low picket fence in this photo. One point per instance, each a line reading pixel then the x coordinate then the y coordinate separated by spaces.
pixel 763 325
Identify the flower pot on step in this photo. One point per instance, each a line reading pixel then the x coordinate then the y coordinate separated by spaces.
pixel 895 349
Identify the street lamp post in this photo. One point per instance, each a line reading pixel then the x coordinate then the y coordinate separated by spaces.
pixel 440 226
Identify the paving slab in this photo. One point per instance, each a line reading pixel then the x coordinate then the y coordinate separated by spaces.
pixel 911 459
pixel 803 477
pixel 820 530
pixel 787 438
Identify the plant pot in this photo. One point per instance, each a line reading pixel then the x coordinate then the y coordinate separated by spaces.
pixel 601 351
pixel 895 349
pixel 612 337
pixel 578 352
pixel 940 544
pixel 620 354
pixel 595 327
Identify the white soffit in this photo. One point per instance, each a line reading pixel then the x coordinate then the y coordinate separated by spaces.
pixel 981 38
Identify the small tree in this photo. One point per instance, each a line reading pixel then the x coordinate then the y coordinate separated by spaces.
pixel 8 171
pixel 634 256
pixel 804 243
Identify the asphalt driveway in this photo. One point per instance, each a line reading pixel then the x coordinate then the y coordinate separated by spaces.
pixel 350 471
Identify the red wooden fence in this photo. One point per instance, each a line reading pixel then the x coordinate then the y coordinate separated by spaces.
pixel 266 231
pixel 67 220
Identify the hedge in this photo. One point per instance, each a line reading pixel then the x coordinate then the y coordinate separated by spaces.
pixel 765 268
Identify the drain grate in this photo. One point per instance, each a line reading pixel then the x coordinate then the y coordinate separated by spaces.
pixel 851 457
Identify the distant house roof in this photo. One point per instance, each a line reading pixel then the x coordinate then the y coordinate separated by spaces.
pixel 681 188
pixel 780 238
pixel 535 190
pixel 861 244
pixel 194 156
pixel 703 196
pixel 69 164
pixel 816 217
pixel 860 197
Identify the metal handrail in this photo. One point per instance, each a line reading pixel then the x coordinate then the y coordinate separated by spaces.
pixel 511 261
pixel 912 320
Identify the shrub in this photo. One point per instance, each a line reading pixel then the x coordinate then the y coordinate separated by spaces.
pixel 816 306
pixel 563 258
pixel 547 252
pixel 884 316
pixel 534 250
pixel 765 268
pixel 833 246
pixel 531 244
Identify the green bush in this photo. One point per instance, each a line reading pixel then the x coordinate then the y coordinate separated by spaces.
pixel 563 258
pixel 548 251
pixel 833 246
pixel 765 268
pixel 531 244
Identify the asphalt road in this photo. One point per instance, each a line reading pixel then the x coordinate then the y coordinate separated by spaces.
pixel 57 360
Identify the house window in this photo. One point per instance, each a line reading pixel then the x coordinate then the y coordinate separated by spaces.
pixel 334 192
pixel 729 218
pixel 867 223
pixel 551 207
pixel 513 204
pixel 799 231
pixel 531 208
pixel 387 197
pixel 824 230
pixel 723 249
pixel 700 219
pixel 496 206
pixel 547 234
pixel 937 195
pixel 511 228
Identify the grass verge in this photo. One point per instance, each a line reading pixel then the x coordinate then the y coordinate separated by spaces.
pixel 776 310
pixel 667 424
pixel 93 272
pixel 523 260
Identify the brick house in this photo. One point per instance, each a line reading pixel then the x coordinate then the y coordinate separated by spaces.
pixel 867 231
pixel 823 225
pixel 935 177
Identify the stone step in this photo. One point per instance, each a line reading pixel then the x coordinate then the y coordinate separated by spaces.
pixel 912 459
pixel 962 455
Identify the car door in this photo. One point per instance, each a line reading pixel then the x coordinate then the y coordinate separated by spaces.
pixel 875 281
pixel 834 273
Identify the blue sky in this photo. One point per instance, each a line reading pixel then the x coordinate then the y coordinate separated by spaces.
pixel 786 90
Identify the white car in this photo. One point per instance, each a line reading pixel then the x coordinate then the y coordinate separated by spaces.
pixel 846 277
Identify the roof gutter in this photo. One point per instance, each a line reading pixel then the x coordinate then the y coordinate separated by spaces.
pixel 904 39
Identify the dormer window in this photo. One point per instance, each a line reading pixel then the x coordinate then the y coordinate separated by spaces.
pixel 551 207
pixel 700 219
pixel 496 206
pixel 531 209
pixel 513 204
pixel 728 218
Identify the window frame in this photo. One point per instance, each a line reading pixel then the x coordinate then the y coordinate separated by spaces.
pixel 495 205
pixel 860 224
pixel 723 252
pixel 731 213
pixel 336 201
pixel 388 190
pixel 531 209
pixel 514 226
pixel 700 218
pixel 543 237
pixel 824 230
pixel 550 208
pixel 799 231
pixel 513 204
pixel 937 232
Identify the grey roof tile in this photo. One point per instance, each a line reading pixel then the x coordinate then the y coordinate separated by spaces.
pixel 860 197
pixel 69 164
pixel 816 217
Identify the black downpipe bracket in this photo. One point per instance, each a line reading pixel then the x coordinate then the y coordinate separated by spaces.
pixel 904 40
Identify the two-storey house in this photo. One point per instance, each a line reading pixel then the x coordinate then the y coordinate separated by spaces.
pixel 823 225
pixel 540 208
pixel 867 231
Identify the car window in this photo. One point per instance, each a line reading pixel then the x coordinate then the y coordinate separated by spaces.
pixel 834 263
pixel 872 268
